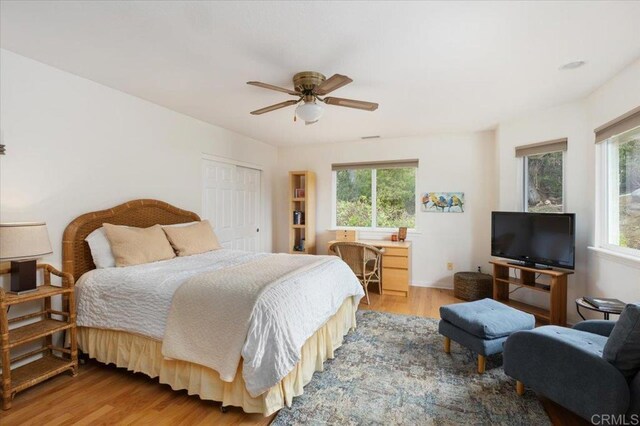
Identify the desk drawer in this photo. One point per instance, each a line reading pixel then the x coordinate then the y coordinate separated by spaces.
pixel 395 262
pixel 396 251
pixel 395 279
pixel 346 235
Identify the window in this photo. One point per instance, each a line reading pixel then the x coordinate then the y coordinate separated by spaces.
pixel 543 183
pixel 621 175
pixel 375 195
pixel 353 198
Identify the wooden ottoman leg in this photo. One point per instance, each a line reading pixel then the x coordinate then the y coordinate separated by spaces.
pixel 447 345
pixel 519 388
pixel 482 361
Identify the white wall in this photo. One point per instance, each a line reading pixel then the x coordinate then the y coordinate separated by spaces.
pixel 75 146
pixel 595 274
pixel 610 275
pixel 565 121
pixel 449 162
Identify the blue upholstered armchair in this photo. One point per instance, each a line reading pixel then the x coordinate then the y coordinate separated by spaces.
pixel 590 369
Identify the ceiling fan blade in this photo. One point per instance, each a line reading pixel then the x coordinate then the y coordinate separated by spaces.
pixel 274 107
pixel 334 82
pixel 351 103
pixel 272 87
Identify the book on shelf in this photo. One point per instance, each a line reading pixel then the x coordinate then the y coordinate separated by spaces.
pixel 605 303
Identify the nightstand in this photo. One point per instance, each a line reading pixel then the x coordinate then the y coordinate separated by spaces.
pixel 48 321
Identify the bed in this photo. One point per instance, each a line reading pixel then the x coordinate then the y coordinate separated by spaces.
pixel 141 318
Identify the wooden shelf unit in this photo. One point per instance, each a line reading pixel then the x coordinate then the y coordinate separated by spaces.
pixel 36 330
pixel 557 290
pixel 518 282
pixel 302 180
pixel 38 371
pixel 44 328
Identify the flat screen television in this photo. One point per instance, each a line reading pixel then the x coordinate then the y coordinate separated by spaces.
pixel 534 238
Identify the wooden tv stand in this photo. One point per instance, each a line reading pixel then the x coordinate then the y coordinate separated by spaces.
pixel 557 290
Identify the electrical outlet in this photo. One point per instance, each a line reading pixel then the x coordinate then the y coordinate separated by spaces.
pixel 450 266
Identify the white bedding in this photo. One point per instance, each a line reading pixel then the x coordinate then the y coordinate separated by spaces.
pixel 137 299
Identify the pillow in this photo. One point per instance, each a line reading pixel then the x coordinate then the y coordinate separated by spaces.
pixel 100 249
pixel 623 347
pixel 192 239
pixel 179 225
pixel 134 246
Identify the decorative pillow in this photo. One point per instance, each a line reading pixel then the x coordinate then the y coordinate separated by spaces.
pixel 134 246
pixel 180 225
pixel 192 239
pixel 100 249
pixel 623 347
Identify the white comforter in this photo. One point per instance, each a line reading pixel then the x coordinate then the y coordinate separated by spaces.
pixel 137 299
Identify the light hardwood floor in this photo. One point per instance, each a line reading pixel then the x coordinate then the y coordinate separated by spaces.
pixel 107 395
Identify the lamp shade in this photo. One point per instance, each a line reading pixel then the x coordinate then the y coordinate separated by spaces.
pixel 20 241
pixel 309 112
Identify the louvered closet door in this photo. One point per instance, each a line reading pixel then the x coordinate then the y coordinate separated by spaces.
pixel 231 202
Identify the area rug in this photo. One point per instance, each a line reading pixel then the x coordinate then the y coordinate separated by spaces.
pixel 393 370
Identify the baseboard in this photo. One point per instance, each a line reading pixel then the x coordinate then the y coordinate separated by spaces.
pixel 437 284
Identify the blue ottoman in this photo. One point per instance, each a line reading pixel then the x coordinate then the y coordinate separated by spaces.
pixel 482 326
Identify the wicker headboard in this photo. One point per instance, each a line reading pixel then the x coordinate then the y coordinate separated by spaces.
pixel 76 256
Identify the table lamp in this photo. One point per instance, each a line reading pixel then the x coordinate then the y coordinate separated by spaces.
pixel 22 244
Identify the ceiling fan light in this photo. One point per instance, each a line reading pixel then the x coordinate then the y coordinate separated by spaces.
pixel 309 111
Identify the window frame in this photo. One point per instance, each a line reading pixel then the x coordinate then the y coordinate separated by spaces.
pixel 374 206
pixel 525 180
pixel 603 198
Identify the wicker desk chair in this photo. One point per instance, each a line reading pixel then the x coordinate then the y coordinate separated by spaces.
pixel 364 260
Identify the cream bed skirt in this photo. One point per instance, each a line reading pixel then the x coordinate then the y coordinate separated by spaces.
pixel 142 354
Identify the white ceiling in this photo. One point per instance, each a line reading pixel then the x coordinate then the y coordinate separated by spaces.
pixel 433 66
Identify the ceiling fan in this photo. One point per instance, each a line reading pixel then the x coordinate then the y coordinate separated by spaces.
pixel 309 87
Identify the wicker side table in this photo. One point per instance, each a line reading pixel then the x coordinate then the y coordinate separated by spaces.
pixel 472 285
pixel 54 360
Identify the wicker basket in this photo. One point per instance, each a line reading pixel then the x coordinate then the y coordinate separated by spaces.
pixel 472 285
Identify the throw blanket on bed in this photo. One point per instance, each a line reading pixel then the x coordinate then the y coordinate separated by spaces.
pixel 211 313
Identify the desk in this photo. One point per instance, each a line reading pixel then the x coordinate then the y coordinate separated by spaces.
pixel 396 265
